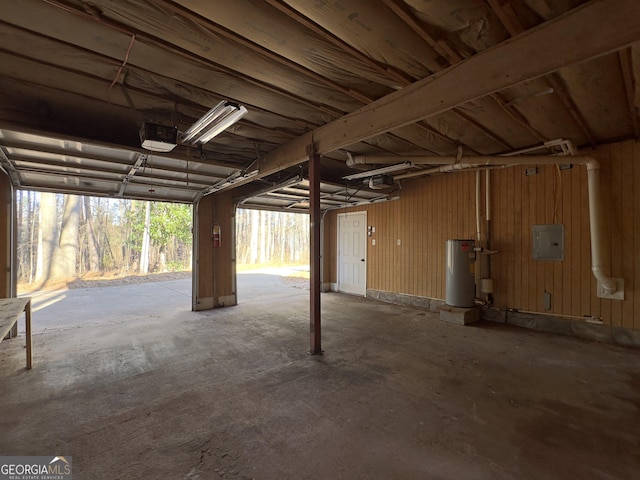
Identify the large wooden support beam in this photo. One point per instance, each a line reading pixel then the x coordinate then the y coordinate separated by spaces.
pixel 316 217
pixel 214 252
pixel 591 30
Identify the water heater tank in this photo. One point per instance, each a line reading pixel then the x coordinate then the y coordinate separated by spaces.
pixel 461 289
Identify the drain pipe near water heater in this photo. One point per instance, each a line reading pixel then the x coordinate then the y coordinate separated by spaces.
pixel 608 287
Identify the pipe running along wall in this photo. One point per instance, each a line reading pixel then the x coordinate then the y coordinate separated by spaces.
pixel 452 164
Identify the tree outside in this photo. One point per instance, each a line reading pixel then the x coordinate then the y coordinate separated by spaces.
pixel 265 238
pixel 62 238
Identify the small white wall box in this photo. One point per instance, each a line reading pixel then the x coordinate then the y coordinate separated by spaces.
pixel 548 242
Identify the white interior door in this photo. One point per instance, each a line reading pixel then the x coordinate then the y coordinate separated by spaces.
pixel 352 253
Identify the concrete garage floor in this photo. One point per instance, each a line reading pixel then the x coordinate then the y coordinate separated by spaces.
pixel 171 394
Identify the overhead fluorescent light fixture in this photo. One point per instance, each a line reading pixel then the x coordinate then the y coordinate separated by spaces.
pixel 229 181
pixel 215 121
pixel 380 171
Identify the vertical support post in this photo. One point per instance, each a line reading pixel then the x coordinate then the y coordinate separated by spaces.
pixel 7 250
pixel 315 220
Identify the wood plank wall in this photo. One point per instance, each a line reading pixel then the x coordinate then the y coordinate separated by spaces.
pixel 432 210
pixel 215 266
pixel 429 212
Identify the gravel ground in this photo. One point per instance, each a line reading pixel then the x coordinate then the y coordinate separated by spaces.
pixel 104 281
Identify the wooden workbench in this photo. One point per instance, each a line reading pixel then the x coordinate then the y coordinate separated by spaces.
pixel 10 311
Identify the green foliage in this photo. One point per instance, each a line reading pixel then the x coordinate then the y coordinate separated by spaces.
pixel 170 220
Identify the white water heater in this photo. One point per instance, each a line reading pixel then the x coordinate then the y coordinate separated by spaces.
pixel 461 259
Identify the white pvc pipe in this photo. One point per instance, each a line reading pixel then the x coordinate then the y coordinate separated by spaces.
pixel 487 186
pixel 450 164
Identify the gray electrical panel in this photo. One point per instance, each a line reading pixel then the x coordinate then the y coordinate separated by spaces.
pixel 548 242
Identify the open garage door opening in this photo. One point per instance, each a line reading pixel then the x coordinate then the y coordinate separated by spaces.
pixel 68 245
pixel 272 253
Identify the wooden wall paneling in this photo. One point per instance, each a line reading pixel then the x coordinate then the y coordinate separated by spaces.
pixel 442 233
pixel 371 249
pixel 460 206
pixel 407 244
pixel 551 282
pixel 516 201
pixel 391 269
pixel 204 257
pixel 390 246
pixel 574 200
pixel 522 277
pixel 533 265
pixel 5 236
pixel 565 216
pixel 422 233
pixel 615 248
pixel 590 304
pixel 223 256
pixel 380 249
pixel 430 273
pixel 403 228
pixel 438 277
pixel 422 241
pixel 595 304
pixel 466 214
pixel 500 243
pixel 329 247
pixel 469 213
pixel 510 235
pixel 381 246
pixel 550 266
pixel 434 209
pixel 558 299
pixel 626 248
pixel 434 226
pixel 414 252
pixel 635 159
pixel 400 267
pixel 603 306
pixel 541 218
pixel 385 259
pixel 436 223
pixel 507 246
pixel 529 199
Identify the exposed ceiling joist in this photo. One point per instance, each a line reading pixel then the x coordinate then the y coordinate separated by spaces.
pixel 525 57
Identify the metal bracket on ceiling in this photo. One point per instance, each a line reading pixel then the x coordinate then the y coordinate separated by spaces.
pixel 140 161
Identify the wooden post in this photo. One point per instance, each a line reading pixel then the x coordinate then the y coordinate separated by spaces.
pixel 6 250
pixel 214 279
pixel 315 218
